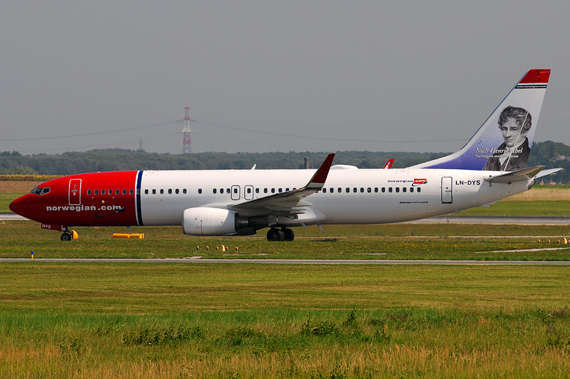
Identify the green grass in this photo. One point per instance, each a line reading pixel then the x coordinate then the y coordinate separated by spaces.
pixel 521 209
pixel 6 199
pixel 429 241
pixel 97 320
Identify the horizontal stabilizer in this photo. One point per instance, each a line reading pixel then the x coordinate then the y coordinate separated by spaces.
pixel 550 171
pixel 521 175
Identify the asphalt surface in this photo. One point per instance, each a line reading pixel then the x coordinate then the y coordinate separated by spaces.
pixel 6 216
pixel 293 261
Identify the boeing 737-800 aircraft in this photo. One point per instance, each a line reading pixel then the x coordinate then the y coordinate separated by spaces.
pixel 490 167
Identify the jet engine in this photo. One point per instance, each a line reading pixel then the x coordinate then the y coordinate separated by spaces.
pixel 204 221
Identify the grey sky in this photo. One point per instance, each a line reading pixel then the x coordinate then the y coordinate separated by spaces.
pixel 285 75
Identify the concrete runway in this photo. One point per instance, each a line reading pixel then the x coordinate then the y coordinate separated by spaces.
pixel 7 216
pixel 293 261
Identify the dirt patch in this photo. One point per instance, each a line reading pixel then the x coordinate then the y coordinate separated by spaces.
pixel 17 187
pixel 542 194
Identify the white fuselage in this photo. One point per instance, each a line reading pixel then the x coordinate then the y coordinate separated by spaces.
pixel 349 196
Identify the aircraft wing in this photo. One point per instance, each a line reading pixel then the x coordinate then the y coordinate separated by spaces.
pixel 521 175
pixel 286 203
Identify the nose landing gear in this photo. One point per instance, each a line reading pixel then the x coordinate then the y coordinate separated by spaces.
pixel 68 235
pixel 283 234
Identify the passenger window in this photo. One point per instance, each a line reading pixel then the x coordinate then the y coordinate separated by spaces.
pixel 184 191
pixel 280 190
pixel 324 190
pixel 89 192
pixel 200 190
pixel 390 189
pixel 235 190
pixel 286 189
pixel 177 191
pixel 419 189
pixel 397 189
pixel 376 189
pixel 161 191
pixel 411 189
pixel 154 192
pixel 347 190
pixel 110 192
pixel 369 190
pixel 146 191
pixel 170 191
pixel 102 192
pixel 214 190
pixel 272 190
pixel 383 189
pixel 404 189
pixel 339 190
pixel 221 190
pixel 248 190
pixel 227 190
pixel 265 190
pixel 354 189
pixel 96 192
pixel 257 190
pixel 361 190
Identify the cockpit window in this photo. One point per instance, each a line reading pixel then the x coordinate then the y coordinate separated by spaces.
pixel 41 191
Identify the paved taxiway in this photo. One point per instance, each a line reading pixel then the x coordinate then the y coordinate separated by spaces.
pixel 7 216
pixel 294 261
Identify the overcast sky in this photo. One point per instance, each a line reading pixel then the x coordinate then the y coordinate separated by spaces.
pixel 265 76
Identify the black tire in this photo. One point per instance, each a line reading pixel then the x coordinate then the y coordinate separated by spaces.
pixel 275 235
pixel 66 237
pixel 289 234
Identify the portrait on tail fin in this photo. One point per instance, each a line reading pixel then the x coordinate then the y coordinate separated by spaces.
pixel 512 154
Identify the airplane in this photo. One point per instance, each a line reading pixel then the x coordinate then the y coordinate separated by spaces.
pixel 490 167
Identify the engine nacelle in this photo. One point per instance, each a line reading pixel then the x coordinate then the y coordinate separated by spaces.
pixel 205 221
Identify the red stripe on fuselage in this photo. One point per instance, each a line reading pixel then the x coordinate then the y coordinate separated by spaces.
pixel 72 200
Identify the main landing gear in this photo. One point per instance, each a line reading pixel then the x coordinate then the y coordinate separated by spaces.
pixel 283 234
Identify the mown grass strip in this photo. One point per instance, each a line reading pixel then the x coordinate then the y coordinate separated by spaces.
pixel 167 321
pixel 397 241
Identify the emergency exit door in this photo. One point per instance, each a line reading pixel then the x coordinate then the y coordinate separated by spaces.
pixel 446 190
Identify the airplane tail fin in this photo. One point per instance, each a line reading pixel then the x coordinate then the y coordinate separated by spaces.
pixel 504 140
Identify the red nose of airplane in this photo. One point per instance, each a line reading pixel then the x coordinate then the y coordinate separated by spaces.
pixel 20 206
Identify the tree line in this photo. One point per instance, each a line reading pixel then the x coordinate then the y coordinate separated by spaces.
pixel 551 154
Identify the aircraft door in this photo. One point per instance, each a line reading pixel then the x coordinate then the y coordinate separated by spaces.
pixel 446 190
pixel 236 192
pixel 75 192
pixel 248 192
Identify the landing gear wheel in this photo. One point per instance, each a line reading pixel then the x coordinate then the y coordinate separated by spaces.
pixel 288 234
pixel 275 235
pixel 66 237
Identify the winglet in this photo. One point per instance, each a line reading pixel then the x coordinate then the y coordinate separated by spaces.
pixel 318 180
pixel 388 164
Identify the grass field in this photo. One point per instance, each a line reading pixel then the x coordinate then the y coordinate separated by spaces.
pixel 394 241
pixel 249 321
